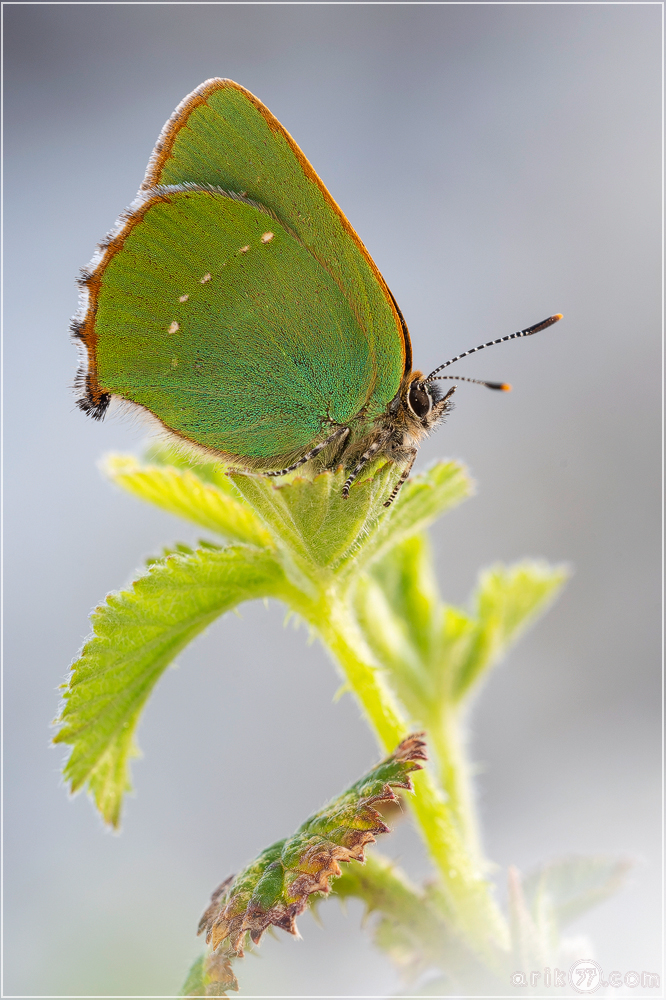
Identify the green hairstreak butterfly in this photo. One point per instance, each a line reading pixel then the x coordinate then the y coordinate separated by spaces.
pixel 234 302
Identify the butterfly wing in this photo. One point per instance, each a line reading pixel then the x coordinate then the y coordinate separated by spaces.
pixel 283 337
pixel 212 316
pixel 222 134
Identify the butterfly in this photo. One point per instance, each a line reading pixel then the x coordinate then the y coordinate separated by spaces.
pixel 234 302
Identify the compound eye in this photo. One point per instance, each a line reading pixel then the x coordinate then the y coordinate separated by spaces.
pixel 419 400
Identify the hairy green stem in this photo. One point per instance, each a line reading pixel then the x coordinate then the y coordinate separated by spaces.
pixel 466 893
pixel 468 902
pixel 447 741
pixel 341 635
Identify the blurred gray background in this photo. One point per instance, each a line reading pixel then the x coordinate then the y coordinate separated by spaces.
pixel 501 163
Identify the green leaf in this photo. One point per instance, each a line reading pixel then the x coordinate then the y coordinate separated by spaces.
pixel 183 492
pixel 179 455
pixel 308 518
pixel 179 548
pixel 314 521
pixel 514 594
pixel 508 599
pixel 529 949
pixel 411 928
pixel 275 888
pixel 421 501
pixel 435 652
pixel 137 634
pixel 389 641
pixel 312 518
pixel 398 608
pixel 573 885
pixel 407 578
pixel 194 985
pixel 210 976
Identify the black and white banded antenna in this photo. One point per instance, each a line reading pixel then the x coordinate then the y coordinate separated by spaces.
pixel 503 386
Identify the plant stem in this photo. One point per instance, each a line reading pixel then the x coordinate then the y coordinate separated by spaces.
pixel 469 905
pixel 339 631
pixel 468 901
pixel 447 739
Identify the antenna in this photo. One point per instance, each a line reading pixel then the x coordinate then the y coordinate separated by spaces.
pixel 504 386
pixel 512 336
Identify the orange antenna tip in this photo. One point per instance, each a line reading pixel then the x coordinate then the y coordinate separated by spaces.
pixel 500 386
pixel 557 316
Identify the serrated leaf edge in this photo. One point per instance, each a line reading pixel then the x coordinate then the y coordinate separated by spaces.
pixel 317 867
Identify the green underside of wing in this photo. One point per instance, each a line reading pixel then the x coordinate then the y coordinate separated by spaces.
pixel 260 356
pixel 229 143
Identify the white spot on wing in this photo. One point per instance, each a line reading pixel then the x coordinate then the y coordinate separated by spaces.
pixel 183 298
pixel 243 249
pixel 174 328
pixel 267 237
pixel 205 278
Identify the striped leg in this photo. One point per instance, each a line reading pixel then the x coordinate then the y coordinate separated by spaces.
pixel 403 478
pixel 363 460
pixel 339 432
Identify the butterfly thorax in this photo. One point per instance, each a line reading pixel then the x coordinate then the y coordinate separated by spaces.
pixel 416 409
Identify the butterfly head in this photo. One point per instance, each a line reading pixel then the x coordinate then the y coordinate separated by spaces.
pixel 425 403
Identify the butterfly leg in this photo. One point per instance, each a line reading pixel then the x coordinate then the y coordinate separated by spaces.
pixel 339 432
pixel 403 478
pixel 378 443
